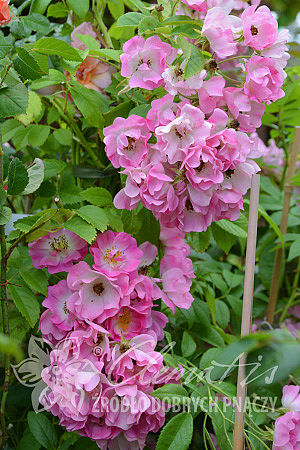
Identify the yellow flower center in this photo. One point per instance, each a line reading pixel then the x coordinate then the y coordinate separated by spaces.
pixel 125 321
pixel 59 244
pixel 112 257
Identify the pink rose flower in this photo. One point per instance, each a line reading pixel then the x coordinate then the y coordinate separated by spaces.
pixel 260 28
pixel 96 296
pixel 56 301
pixel 278 51
pixel 287 432
pixel 93 74
pixel 126 141
pixel 189 128
pixel 4 12
pixel 221 30
pixel 162 112
pixel 57 251
pixel 196 5
pixel 50 331
pixel 143 62
pixel 174 81
pixel 263 80
pixel 115 254
pixel 291 398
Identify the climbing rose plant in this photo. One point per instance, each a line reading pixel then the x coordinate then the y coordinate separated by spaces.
pixel 167 102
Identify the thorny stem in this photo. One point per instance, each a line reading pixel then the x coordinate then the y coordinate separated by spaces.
pixel 4 310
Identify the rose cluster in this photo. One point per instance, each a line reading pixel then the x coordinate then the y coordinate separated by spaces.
pixel 191 160
pixel 104 326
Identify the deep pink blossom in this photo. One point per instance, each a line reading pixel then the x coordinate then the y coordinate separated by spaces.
pixel 291 398
pixel 115 254
pixel 57 251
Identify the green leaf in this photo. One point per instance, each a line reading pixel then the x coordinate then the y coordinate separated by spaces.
pixel 9 347
pixel 42 429
pixel 53 46
pixel 58 11
pixel 5 215
pixel 80 8
pixel 232 228
pixel 38 134
pixel 5 47
pixel 177 433
pixel 195 62
pixel 17 177
pixel 95 216
pixel 89 104
pixel 35 175
pixel 148 24
pixel 37 22
pixel 141 110
pixel 9 128
pixel 3 195
pixel 122 110
pixel 35 279
pixel 188 345
pixel 34 109
pixel 294 250
pixel 130 19
pixel 199 241
pixel 53 167
pixel 116 8
pixel 223 239
pixel 64 136
pixel 26 65
pixel 171 391
pixel 39 6
pixel 114 219
pixel 28 441
pixel 97 196
pixel 26 302
pixel 13 100
pixel 222 313
pixel 107 53
pixel 82 228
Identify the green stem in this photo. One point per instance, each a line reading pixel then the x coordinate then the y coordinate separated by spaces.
pixel 103 28
pixel 293 294
pixel 4 310
pixel 234 57
pixel 85 144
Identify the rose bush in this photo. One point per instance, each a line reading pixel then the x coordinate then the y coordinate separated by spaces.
pixel 129 142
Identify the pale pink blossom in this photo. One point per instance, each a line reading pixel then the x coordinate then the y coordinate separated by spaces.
pixel 187 129
pixel 260 28
pixel 287 432
pixel 291 398
pixel 56 301
pixel 126 141
pixel 92 73
pixel 221 29
pixel 57 251
pixel 263 80
pixel 175 82
pixel 143 62
pixel 96 296
pixel 278 51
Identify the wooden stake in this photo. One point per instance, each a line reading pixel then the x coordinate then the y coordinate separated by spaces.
pixel 288 189
pixel 238 432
